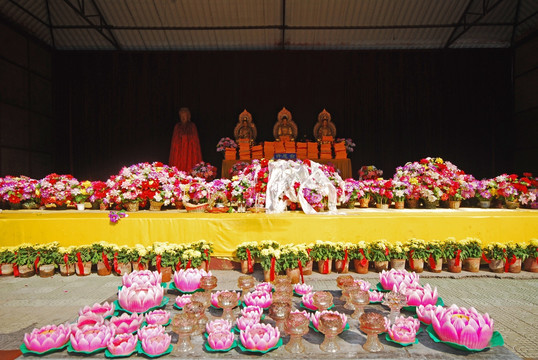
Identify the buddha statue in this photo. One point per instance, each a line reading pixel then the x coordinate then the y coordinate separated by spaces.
pixel 324 128
pixel 285 128
pixel 245 128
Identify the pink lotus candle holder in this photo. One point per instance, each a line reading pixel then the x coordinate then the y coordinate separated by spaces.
pixel 322 300
pixel 330 325
pixel 48 337
pixel 158 317
pixel 122 344
pixel 360 299
pixel 227 300
pixel 279 311
pixel 184 324
pixel 372 324
pixel 296 327
pixel 395 301
pixel 218 325
pixel 183 300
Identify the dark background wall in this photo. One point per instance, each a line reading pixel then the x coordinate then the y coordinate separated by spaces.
pixel 398 106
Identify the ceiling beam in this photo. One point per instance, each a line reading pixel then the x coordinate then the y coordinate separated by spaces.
pixel 514 27
pixel 50 24
pixel 282 41
pixel 29 12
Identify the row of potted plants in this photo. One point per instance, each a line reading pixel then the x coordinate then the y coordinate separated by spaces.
pixel 467 253
pixel 104 258
pixel 429 180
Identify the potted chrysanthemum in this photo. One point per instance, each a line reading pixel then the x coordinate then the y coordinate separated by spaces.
pixel 531 263
pixel 341 257
pixel 397 254
pixel 292 259
pixel 269 261
pixel 379 254
pixel 247 252
pixel 25 260
pixel 495 255
pixel 418 252
pixel 7 258
pixel 47 258
pixel 471 251
pixel 140 257
pixel 84 254
pixel 452 254
pixel 206 249
pixel 66 259
pixel 435 261
pixel 102 254
pixel 359 254
pixel 323 252
pixel 515 254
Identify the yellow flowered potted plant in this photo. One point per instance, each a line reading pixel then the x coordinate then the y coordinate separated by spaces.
pixel 435 260
pixel 515 254
pixel 397 254
pixel 7 258
pixel 66 259
pixel 102 255
pixel 379 254
pixel 25 260
pixel 206 249
pixel 359 254
pixel 531 263
pixel 418 252
pixel 292 259
pixel 140 256
pixel 122 260
pixel 247 252
pixel 269 260
pixel 83 255
pixel 166 257
pixel 495 255
pixel 47 258
pixel 471 251
pixel 324 252
pixel 341 257
pixel 452 254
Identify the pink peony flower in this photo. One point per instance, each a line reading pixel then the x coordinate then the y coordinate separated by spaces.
pixel 91 338
pixel 183 300
pixel 365 285
pixel 421 296
pixel 376 296
pixel 464 327
pixel 396 277
pixel 189 280
pixel 425 313
pixel 220 340
pixel 249 310
pixel 215 297
pixel 245 321
pixel 142 277
pixel 126 324
pixel 48 337
pixel 315 317
pixel 308 301
pixel 158 317
pixel 264 286
pixel 140 298
pixel 122 344
pixel 101 310
pixel 150 331
pixel 303 289
pixel 258 298
pixel 218 325
pixel 157 344
pixel 259 337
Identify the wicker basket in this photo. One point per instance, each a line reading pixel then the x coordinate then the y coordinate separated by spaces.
pixel 200 208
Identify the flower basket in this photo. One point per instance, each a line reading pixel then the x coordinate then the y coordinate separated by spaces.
pixel 430 204
pixel 155 205
pixel 132 206
pixel 399 204
pixel 412 203
pixel 199 208
pixel 454 204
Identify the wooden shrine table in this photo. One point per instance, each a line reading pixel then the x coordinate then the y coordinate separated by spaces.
pixel 344 165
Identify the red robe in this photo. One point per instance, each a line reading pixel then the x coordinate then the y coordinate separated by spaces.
pixel 185 149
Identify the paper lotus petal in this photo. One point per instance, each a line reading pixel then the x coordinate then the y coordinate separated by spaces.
pixel 156 345
pixel 308 301
pixel 259 337
pixel 365 285
pixel 304 312
pixel 122 344
pixel 315 317
pixel 397 277
pixel 425 313
pixel 303 289
pixel 264 286
pixel 183 300
pixel 142 277
pixel 258 298
pixel 150 331
pixel 104 310
pixel 376 296
pixel 126 323
pixel 189 280
pixel 245 321
pixel 220 340
pixel 48 337
pixel 215 297
pixel 140 298
pixel 463 327
pixel 421 296
pixel 158 317
pixel 218 325
pixel 91 338
pixel 250 310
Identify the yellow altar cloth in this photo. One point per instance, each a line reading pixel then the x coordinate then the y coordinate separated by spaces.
pixel 226 231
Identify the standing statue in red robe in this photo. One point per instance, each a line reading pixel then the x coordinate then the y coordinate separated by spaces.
pixel 185 149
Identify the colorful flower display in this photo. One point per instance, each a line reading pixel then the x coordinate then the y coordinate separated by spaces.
pixel 259 337
pixel 48 337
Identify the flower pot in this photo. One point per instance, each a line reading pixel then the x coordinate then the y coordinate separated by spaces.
pixel 454 204
pixel 399 204
pixel 350 204
pixel 143 265
pixel 132 206
pixel 204 265
pixel 412 203
pixel 123 268
pixel 307 268
pixel 359 268
pixel 294 275
pixel 86 268
pixel 484 204
pixel 438 266
pixel 102 270
pixel 26 271
pixel 7 269
pixel 496 266
pixel 15 206
pixel 29 204
pixel 417 265
pixel 325 266
pixel 531 264
pixel 155 205
pixel 363 202
pixel 67 270
pixel 179 204
pixel 511 204
pixel 452 267
pixel 267 275
pixel 379 266
pixel 244 267
pixel 398 264
pixel 200 208
pixel 166 272
pixel 81 207
pixel 382 206
pixel 430 204
pixel 46 270
pixel 341 266
pixel 471 264
pixel 103 206
pixel 515 267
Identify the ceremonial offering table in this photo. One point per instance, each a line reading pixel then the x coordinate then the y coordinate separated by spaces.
pixel 344 165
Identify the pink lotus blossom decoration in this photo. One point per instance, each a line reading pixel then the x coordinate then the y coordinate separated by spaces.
pixel 250 310
pixel 183 300
pixel 91 338
pixel 189 280
pixel 258 298
pixel 218 325
pixel 465 327
pixel 104 310
pixel 396 277
pixel 126 324
pixel 425 313
pixel 140 298
pixel 122 344
pixel 245 321
pixel 86 320
pixel 150 331
pixel 158 317
pixel 48 337
pixel 315 317
pixel 376 296
pixel 220 340
pixel 308 301
pixel 421 296
pixel 264 286
pixel 142 277
pixel 156 345
pixel 402 333
pixel 365 285
pixel 215 297
pixel 259 337
pixel 303 289
pixel 407 321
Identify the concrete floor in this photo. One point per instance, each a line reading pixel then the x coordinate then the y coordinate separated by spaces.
pixel 510 299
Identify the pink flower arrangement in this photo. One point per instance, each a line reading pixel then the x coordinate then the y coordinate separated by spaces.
pixel 46 338
pixel 238 168
pixel 204 170
pixel 397 277
pixel 142 277
pixel 189 280
pixel 19 189
pixel 196 192
pixel 122 344
pixel 57 189
pixel 315 317
pixel 126 324
pixel 140 298
pixel 421 296
pixel 258 298
pixel 183 300
pixel 425 313
pixel 158 317
pixel 156 345
pixel 104 310
pixel 259 337
pixel 91 338
pixel 302 289
pixel 220 340
pixel 404 329
pixel 225 143
pixel 218 325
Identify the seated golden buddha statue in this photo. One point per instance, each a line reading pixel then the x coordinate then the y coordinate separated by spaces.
pixel 324 130
pixel 285 128
pixel 245 128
